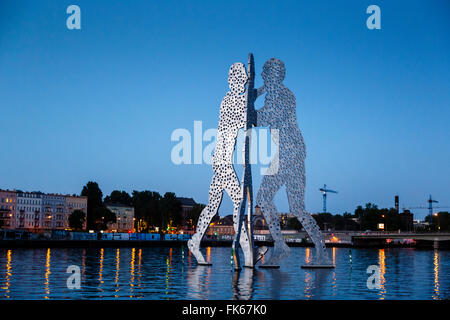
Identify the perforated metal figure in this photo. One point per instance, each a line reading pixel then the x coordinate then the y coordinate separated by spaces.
pixel 232 118
pixel 288 168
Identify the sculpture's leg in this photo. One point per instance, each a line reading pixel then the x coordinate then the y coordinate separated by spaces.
pixel 240 230
pixel 295 193
pixel 264 199
pixel 215 198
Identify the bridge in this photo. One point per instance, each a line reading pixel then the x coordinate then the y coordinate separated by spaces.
pixel 436 238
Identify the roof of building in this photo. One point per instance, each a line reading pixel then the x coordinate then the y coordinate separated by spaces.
pixel 186 201
pixel 42 193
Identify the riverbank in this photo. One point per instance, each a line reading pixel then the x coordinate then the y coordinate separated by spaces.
pixel 206 243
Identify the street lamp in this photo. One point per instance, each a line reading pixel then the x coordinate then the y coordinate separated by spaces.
pixel 385 223
pixel 439 224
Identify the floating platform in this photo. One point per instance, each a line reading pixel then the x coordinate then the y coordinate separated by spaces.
pixel 317 266
pixel 269 266
pixel 206 264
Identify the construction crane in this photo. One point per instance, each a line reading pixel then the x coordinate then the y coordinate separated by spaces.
pixel 430 207
pixel 324 191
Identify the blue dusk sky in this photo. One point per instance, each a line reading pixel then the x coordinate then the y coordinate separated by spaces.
pixel 101 103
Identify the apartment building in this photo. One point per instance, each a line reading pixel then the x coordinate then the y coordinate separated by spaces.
pixel 54 215
pixel 73 203
pixel 28 210
pixel 37 211
pixel 7 208
pixel 124 218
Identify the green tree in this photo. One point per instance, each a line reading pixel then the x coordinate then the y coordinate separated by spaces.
pixel 439 221
pixel 76 219
pixel 170 211
pixel 194 214
pixel 294 224
pixel 147 207
pixel 121 197
pixel 324 220
pixel 95 200
pixel 103 217
pixel 371 216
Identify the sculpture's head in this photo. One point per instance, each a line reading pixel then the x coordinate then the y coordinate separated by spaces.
pixel 237 77
pixel 273 72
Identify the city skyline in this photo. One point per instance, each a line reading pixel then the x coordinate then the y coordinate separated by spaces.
pixel 100 103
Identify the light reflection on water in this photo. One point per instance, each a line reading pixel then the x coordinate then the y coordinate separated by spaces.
pixel 165 273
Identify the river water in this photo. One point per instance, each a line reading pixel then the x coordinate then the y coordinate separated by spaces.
pixel 172 273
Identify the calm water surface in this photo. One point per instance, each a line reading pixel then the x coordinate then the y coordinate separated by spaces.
pixel 171 273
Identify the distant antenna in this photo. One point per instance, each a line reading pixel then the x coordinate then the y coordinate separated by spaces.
pixel 324 191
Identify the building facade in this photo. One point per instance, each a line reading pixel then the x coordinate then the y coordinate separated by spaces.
pixel 73 203
pixel 8 209
pixel 124 218
pixel 54 216
pixel 37 211
pixel 28 210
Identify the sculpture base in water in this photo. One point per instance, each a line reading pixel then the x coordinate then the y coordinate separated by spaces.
pixel 265 266
pixel 317 266
pixel 204 264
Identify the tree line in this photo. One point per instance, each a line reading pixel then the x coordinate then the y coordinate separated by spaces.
pixel 369 217
pixel 152 211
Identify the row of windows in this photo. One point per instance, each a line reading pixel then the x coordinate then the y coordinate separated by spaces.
pixel 37 217
pixel 57 210
pixel 77 205
pixel 29 209
pixel 52 203
pixel 37 224
pixel 27 201
pixel 28 195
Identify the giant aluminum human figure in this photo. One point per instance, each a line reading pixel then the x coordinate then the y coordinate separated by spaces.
pixel 233 116
pixel 288 166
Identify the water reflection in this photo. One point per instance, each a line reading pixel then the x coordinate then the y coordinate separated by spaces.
pixel 164 273
pixel 307 255
pixel 242 284
pixel 168 269
pixel 198 285
pixel 436 274
pixel 139 267
pixel 8 273
pixel 334 282
pixel 116 280
pixel 47 275
pixel 100 270
pixel 382 264
pixel 133 254
pixel 279 279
